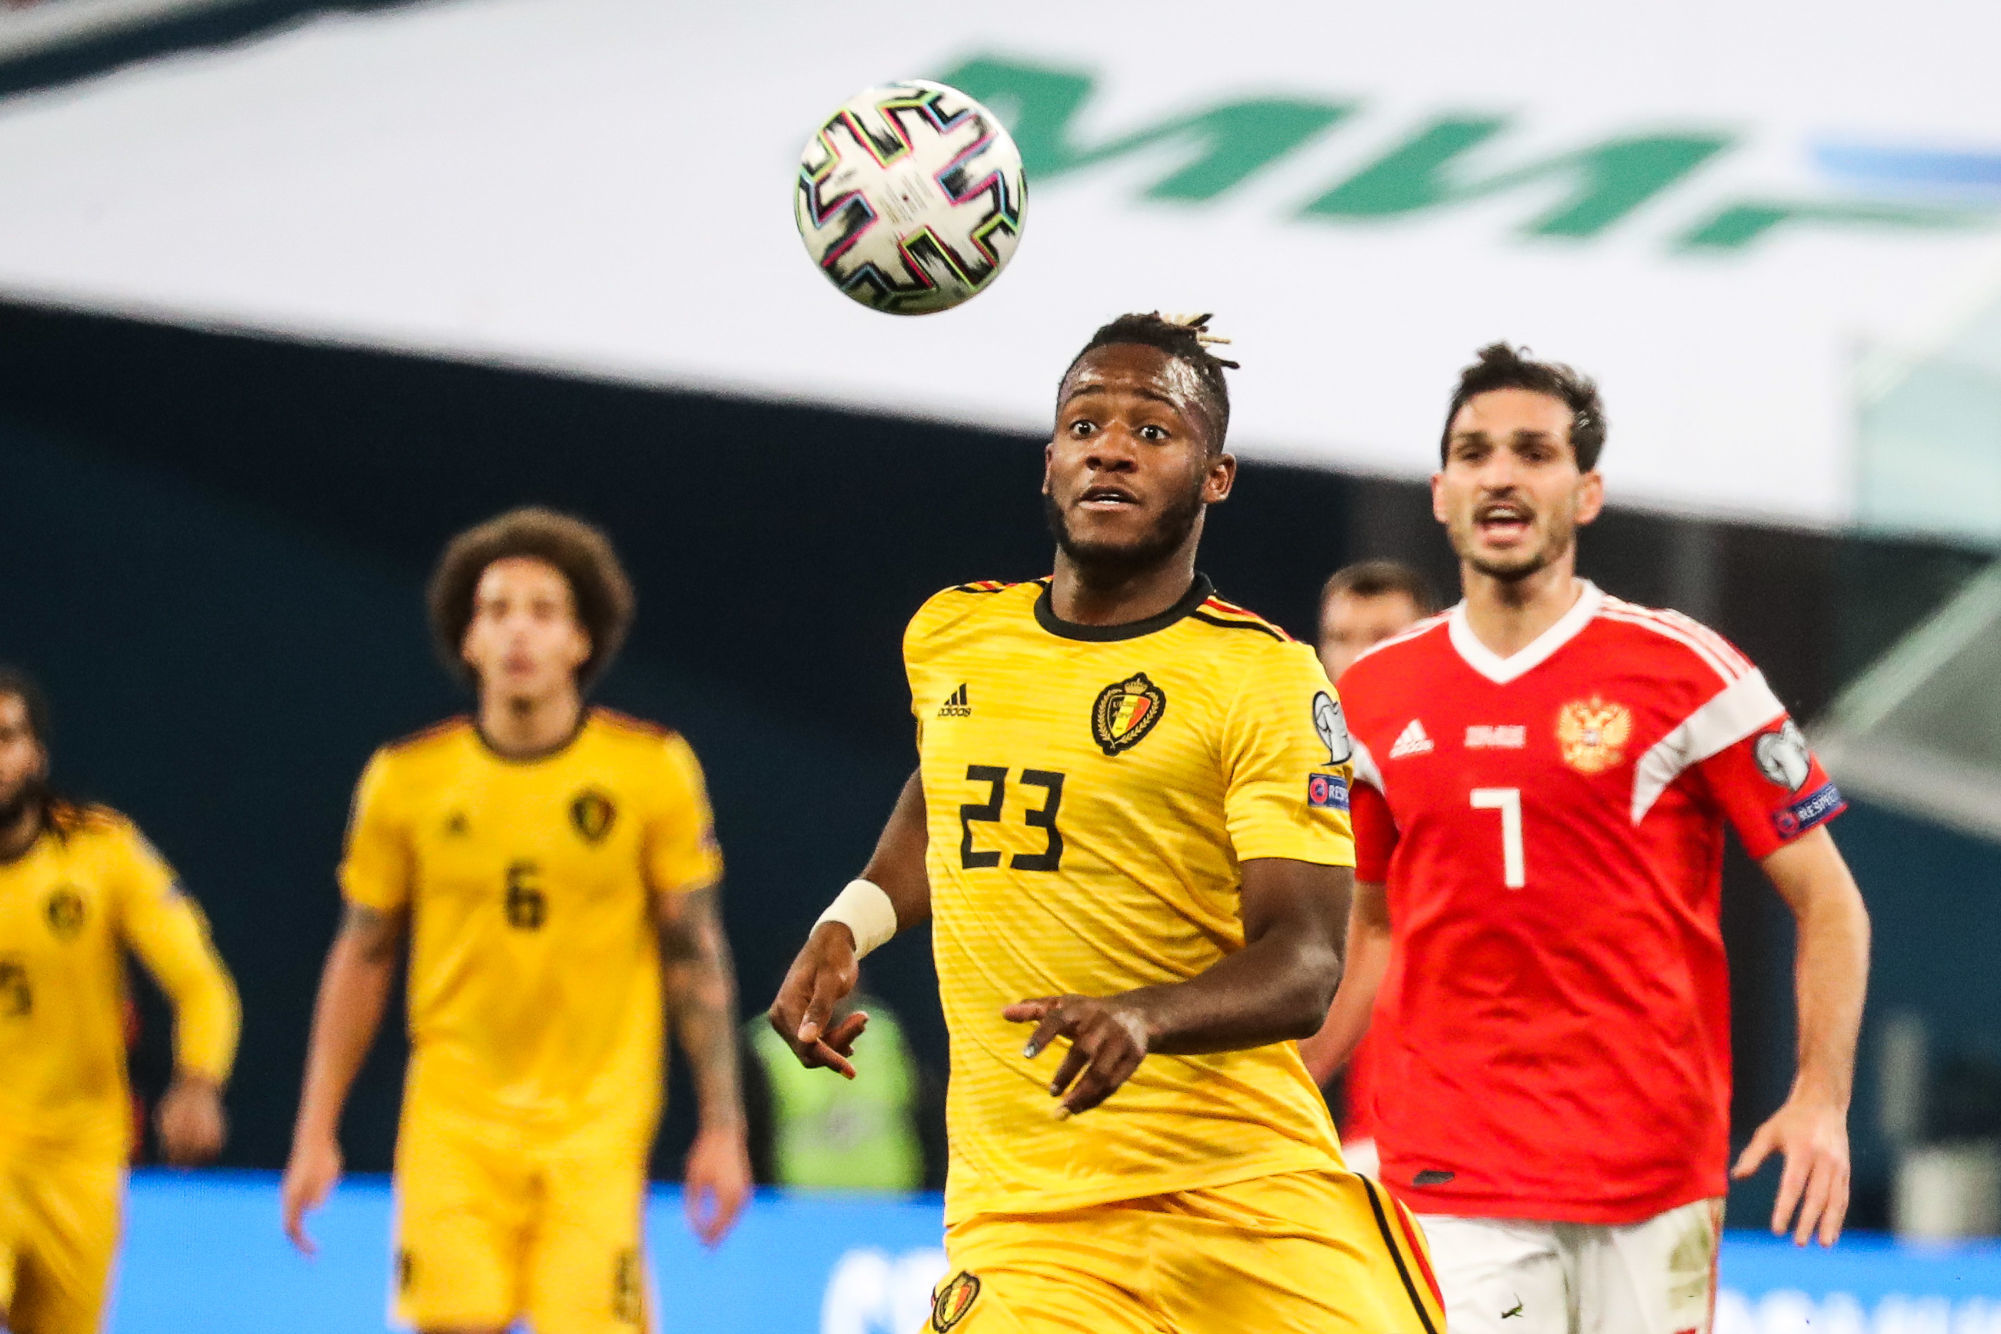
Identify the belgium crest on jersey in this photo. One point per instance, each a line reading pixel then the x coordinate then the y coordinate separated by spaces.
pixel 592 814
pixel 65 912
pixel 1125 712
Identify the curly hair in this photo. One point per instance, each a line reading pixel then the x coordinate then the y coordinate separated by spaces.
pixel 1186 338
pixel 579 551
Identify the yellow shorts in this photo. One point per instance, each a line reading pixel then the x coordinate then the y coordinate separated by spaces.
pixel 59 1223
pixel 493 1226
pixel 1305 1251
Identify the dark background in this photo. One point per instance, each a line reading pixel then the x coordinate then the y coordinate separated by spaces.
pixel 212 551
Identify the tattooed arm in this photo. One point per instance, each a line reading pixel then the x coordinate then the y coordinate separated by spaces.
pixel 701 1002
pixel 354 989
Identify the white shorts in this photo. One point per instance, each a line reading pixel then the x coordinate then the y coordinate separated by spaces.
pixel 1519 1276
pixel 1361 1158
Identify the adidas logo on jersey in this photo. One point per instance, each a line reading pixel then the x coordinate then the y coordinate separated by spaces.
pixel 955 705
pixel 1411 741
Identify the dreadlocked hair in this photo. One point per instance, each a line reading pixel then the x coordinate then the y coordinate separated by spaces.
pixel 61 814
pixel 1186 338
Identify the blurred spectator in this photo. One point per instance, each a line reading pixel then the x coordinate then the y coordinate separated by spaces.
pixel 1361 605
pixel 812 1130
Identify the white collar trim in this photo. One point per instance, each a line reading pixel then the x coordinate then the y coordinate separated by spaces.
pixel 1502 670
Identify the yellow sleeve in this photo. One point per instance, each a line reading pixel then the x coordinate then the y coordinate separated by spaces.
pixel 1287 793
pixel 166 929
pixel 681 849
pixel 375 864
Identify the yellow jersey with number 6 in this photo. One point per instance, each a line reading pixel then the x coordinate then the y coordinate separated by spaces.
pixel 535 988
pixel 1091 796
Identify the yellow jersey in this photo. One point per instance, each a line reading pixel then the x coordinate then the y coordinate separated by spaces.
pixel 535 977
pixel 1091 793
pixel 89 888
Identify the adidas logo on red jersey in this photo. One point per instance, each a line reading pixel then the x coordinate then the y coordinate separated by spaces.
pixel 1411 741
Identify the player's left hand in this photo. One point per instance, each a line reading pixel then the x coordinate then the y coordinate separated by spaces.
pixel 1811 1134
pixel 717 1185
pixel 1108 1040
pixel 191 1121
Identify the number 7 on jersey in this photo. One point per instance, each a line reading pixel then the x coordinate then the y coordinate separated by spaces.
pixel 1508 801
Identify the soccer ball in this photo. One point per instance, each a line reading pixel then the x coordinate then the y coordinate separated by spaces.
pixel 910 197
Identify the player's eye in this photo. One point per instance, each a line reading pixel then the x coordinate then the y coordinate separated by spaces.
pixel 1153 433
pixel 1081 428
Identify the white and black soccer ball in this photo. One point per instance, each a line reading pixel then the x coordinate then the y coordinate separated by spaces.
pixel 910 197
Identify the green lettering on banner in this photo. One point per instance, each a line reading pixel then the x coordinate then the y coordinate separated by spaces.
pixel 1602 183
pixel 1737 226
pixel 1227 144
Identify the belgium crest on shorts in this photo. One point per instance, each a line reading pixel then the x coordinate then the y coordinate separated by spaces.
pixel 1125 712
pixel 953 1300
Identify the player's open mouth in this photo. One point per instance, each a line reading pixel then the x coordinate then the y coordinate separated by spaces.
pixel 1106 498
pixel 1502 521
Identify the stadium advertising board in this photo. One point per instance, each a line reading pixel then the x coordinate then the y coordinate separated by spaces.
pixel 205 1253
pixel 1720 213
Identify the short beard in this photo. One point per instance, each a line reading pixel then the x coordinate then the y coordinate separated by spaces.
pixel 1541 559
pixel 32 795
pixel 1103 565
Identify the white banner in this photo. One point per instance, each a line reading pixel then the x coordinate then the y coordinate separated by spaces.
pixel 1715 208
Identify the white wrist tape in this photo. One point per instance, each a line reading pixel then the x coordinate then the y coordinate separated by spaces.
pixel 864 909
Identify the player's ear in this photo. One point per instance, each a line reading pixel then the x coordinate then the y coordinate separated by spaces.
pixel 1048 458
pixel 1590 496
pixel 1222 476
pixel 1438 497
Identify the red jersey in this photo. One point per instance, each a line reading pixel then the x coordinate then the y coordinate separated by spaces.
pixel 1554 1027
pixel 1357 1121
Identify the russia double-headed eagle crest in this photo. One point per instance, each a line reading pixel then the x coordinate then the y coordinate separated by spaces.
pixel 1592 734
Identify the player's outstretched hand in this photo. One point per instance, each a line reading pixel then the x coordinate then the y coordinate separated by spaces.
pixel 1811 1135
pixel 1108 1040
pixel 310 1177
pixel 191 1121
pixel 717 1183
pixel 820 979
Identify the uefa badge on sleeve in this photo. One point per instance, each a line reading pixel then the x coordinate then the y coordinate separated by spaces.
pixel 1326 792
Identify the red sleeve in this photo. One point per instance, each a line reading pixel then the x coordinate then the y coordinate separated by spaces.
pixel 1375 833
pixel 1769 785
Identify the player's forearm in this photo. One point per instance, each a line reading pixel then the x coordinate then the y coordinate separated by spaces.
pixel 705 1020
pixel 208 1017
pixel 354 992
pixel 701 998
pixel 1830 963
pixel 1273 990
pixel 897 865
pixel 1278 987
pixel 1831 971
pixel 1367 959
